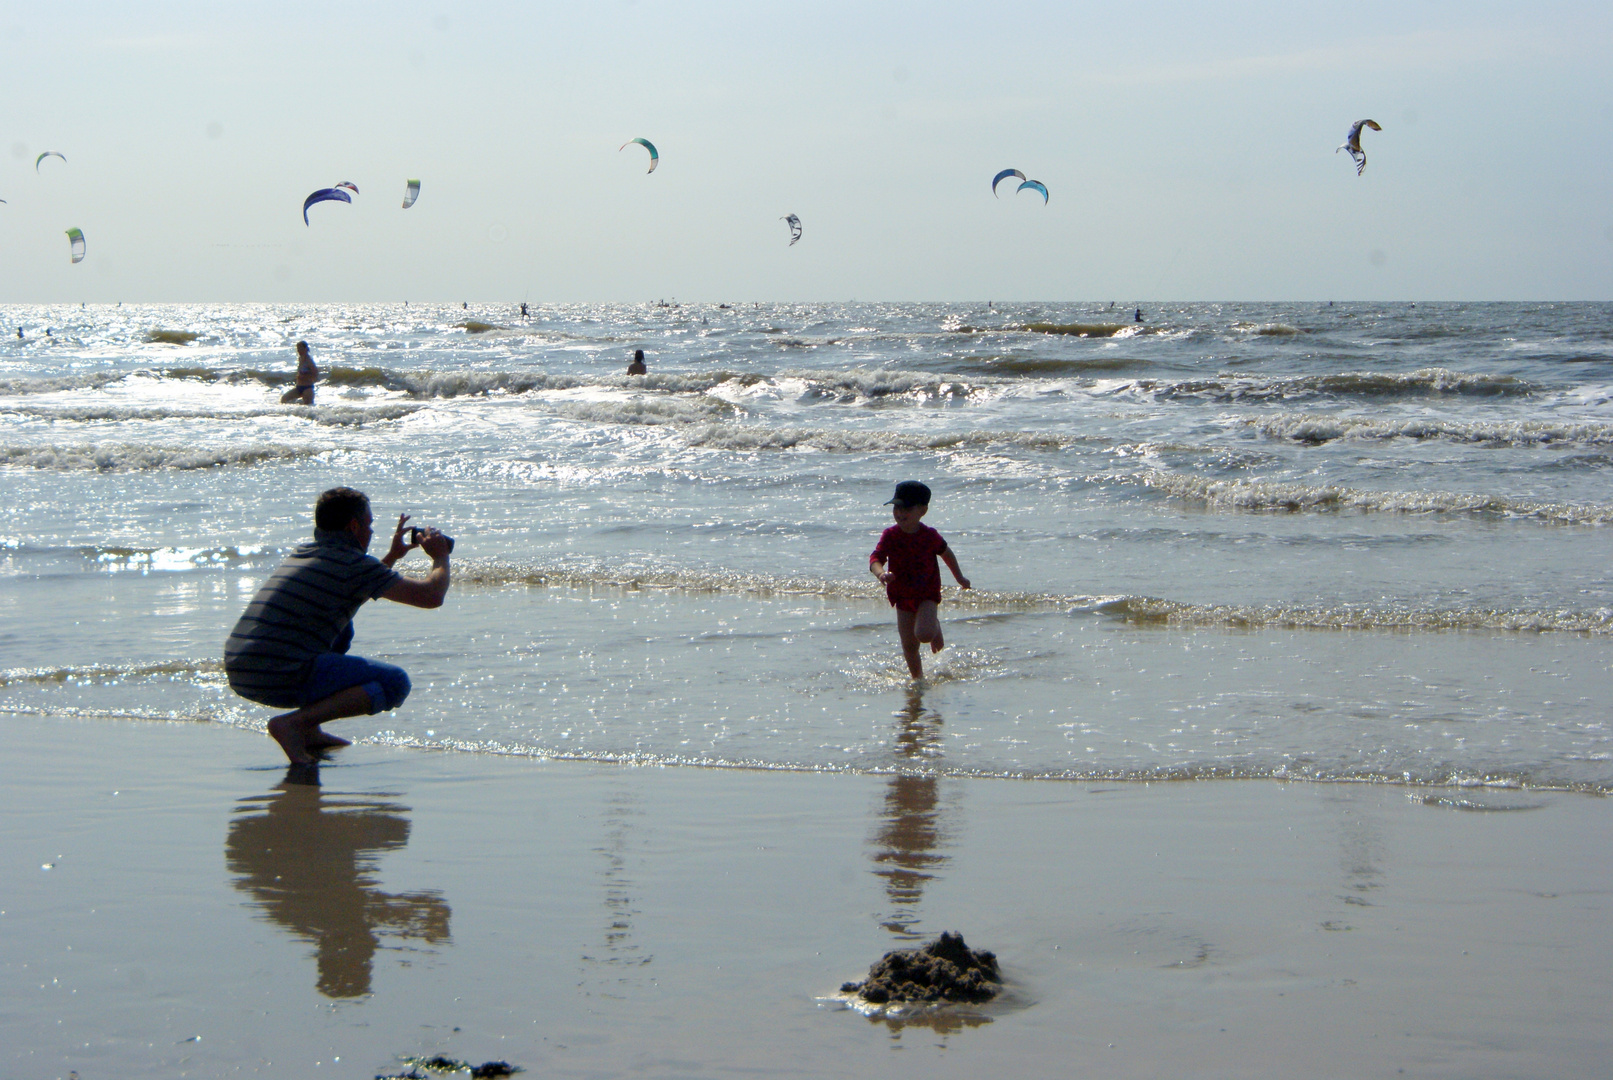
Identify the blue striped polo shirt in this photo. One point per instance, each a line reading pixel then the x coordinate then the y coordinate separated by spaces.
pixel 306 603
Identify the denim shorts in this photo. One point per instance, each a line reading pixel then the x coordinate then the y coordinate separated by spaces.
pixel 334 672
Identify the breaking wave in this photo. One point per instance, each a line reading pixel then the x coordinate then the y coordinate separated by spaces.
pixel 1137 610
pixel 133 457
pixel 56 384
pixel 838 385
pixel 1427 382
pixel 630 579
pixel 645 410
pixel 754 438
pixel 327 415
pixel 1077 329
pixel 1147 611
pixel 1278 495
pixel 185 670
pixel 1047 365
pixel 1321 429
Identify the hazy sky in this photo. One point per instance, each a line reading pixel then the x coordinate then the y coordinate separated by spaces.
pixel 1188 148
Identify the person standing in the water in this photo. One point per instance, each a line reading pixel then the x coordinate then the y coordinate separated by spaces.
pixel 1139 316
pixel 307 375
pixel 637 366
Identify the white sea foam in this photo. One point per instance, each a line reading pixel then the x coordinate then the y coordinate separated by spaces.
pixel 180 670
pixel 1323 428
pixel 57 384
pixel 327 415
pixel 1239 387
pixel 976 603
pixel 645 410
pixel 136 457
pixel 758 438
pixel 1280 495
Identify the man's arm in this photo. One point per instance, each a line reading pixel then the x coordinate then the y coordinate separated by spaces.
pixel 427 592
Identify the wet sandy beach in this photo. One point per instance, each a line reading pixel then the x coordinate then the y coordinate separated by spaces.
pixel 173 907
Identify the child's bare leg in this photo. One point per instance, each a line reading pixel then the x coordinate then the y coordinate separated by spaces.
pixel 910 642
pixel 297 731
pixel 927 626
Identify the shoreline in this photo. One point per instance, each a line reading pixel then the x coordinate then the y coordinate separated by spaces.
pixel 201 917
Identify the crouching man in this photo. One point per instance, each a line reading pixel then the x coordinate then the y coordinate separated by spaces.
pixel 289 648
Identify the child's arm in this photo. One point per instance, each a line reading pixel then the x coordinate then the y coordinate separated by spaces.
pixel 877 568
pixel 952 564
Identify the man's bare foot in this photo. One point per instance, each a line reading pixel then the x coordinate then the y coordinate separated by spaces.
pixel 320 739
pixel 286 732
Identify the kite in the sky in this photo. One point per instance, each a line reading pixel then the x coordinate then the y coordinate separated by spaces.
pixel 795 227
pixel 324 195
pixel 46 154
pixel 655 158
pixel 1000 177
pixel 410 193
pixel 349 185
pixel 1352 143
pixel 1034 185
pixel 75 241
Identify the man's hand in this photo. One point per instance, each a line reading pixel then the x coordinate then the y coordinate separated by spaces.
pixel 399 547
pixel 434 543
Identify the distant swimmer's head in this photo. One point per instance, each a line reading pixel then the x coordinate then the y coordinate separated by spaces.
pixel 302 348
pixel 637 366
pixel 638 356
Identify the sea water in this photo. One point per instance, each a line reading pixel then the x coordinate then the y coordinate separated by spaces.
pixel 1363 542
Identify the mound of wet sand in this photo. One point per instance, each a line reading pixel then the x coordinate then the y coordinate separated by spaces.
pixel 439 1063
pixel 944 970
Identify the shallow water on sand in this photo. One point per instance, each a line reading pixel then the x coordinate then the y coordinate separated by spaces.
pixel 1352 542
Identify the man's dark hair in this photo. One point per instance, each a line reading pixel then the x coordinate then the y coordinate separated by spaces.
pixel 337 507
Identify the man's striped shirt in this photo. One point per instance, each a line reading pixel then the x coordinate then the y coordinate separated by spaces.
pixel 306 603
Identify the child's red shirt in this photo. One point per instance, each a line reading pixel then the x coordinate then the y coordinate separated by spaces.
pixel 911 560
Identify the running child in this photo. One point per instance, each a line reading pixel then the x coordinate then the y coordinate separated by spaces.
pixel 904 560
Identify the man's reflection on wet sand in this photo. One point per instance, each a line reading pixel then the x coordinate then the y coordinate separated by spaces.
pixel 308 860
pixel 910 827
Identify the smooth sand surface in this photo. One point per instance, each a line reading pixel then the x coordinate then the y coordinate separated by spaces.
pixel 172 908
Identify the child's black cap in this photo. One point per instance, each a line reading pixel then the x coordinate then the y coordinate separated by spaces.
pixel 910 493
